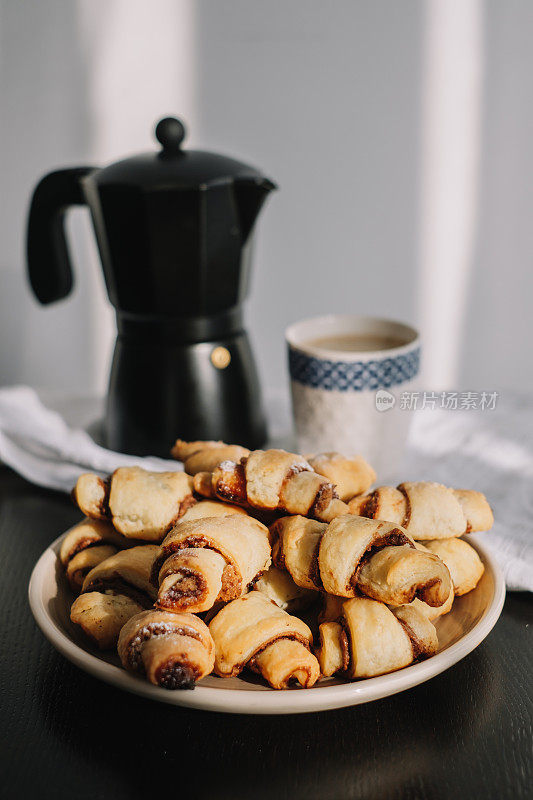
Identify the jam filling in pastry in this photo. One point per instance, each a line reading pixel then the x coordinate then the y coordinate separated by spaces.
pixel 140 504
pixel 350 645
pixel 172 650
pixel 254 632
pixel 466 567
pixel 205 561
pixel 86 545
pixel 332 607
pixel 114 591
pixel 272 480
pixel 350 476
pixel 279 587
pixel 205 456
pixel 130 570
pixel 353 556
pixel 427 510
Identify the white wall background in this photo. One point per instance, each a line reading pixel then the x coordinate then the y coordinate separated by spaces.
pixel 399 134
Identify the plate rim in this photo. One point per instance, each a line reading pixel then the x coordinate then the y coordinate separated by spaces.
pixel 297 701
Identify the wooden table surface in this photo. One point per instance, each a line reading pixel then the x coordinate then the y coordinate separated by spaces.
pixel 465 734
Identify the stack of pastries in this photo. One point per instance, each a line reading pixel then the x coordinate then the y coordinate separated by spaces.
pixel 269 561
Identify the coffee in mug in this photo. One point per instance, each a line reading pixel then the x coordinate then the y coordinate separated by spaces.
pixel 347 376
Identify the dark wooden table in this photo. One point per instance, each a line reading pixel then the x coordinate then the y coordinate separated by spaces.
pixel 465 734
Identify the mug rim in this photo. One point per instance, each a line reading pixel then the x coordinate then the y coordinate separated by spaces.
pixel 323 353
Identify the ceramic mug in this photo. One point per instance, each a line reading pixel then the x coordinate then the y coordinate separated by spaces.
pixel 348 400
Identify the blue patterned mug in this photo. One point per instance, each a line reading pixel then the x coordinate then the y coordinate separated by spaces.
pixel 347 374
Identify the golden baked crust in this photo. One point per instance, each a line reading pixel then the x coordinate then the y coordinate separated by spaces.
pixel 91 493
pixel 426 510
pixel 380 560
pixel 286 661
pixel 278 586
pixel 146 504
pixel 242 543
pixel 272 480
pixel 398 575
pixel 476 509
pixel 353 555
pixel 385 503
pixel 86 545
pixel 87 533
pixel 296 544
pixel 332 652
pixel 84 561
pixel 466 567
pixel 432 507
pixel 205 456
pixel 192 580
pixel 244 628
pixel 183 450
pixel 140 504
pixel 211 508
pixel 172 650
pixel 405 634
pixel 127 572
pixel 101 616
pixel 350 476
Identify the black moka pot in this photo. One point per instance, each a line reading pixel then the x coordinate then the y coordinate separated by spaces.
pixel 174 231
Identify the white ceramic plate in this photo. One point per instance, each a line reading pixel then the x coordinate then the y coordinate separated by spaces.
pixel 470 620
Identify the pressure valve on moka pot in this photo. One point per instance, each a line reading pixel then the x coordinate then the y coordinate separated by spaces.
pixel 174 230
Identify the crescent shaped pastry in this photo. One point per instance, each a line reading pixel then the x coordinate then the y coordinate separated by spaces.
pixel 253 631
pixel 84 561
pixel 296 545
pixel 128 573
pixel 466 567
pixel 140 504
pixel 86 545
pixel 91 494
pixel 205 456
pixel 101 616
pixel 278 586
pixel 398 575
pixel 427 510
pixel 88 533
pixel 113 591
pixel 432 612
pixel 350 476
pixel 272 480
pixel 380 560
pixel 212 559
pixel 172 650
pixel 191 580
pixel 353 555
pixel 332 607
pixel 352 647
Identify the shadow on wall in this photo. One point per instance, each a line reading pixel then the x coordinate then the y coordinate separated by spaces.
pixel 43 96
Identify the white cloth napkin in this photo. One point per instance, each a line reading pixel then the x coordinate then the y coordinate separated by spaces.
pixel 38 444
pixel 491 451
